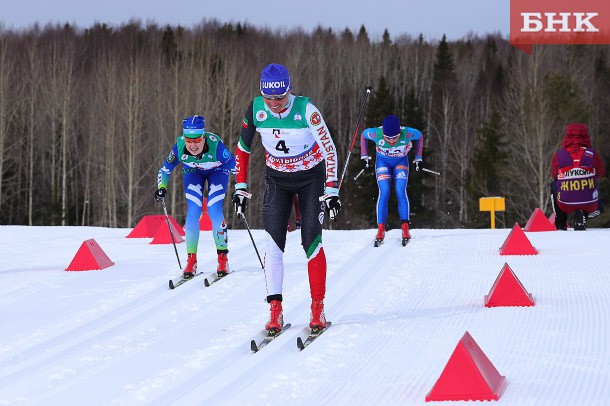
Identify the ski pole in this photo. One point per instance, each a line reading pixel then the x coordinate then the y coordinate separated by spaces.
pixel 430 171
pixel 171 233
pixel 359 173
pixel 243 216
pixel 351 147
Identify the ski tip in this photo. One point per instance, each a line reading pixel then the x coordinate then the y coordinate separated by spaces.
pixel 206 282
pixel 253 346
pixel 300 344
pixel 171 284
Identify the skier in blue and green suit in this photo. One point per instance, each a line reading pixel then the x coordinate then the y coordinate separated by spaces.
pixel 205 158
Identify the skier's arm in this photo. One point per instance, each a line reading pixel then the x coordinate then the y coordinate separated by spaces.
pixel 168 166
pixel 325 142
pixel 598 164
pixel 368 134
pixel 417 138
pixel 554 166
pixel 244 146
pixel 225 157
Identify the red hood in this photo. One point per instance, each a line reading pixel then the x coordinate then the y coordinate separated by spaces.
pixel 576 136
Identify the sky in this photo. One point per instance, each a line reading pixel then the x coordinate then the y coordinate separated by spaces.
pixel 119 336
pixel 432 18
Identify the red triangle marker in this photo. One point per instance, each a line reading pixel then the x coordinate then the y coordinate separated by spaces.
pixel 468 375
pixel 163 236
pixel 517 243
pixel 148 226
pixel 508 290
pixel 205 223
pixel 538 222
pixel 89 257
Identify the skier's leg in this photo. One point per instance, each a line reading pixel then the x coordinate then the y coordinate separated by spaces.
pixel 217 187
pixel 312 213
pixel 193 187
pixel 384 179
pixel 193 190
pixel 277 205
pixel 401 179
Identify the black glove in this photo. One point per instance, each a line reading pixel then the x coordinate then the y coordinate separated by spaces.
pixel 365 161
pixel 417 162
pixel 333 205
pixel 240 200
pixel 160 194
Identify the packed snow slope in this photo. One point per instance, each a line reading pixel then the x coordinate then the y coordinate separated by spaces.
pixel 119 336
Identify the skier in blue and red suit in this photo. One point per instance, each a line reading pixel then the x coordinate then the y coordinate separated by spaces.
pixel 393 143
pixel 205 158
pixel 575 168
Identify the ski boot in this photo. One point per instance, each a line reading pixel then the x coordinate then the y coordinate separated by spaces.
pixel 380 235
pixel 276 318
pixel 406 236
pixel 191 266
pixel 317 319
pixel 223 264
pixel 580 221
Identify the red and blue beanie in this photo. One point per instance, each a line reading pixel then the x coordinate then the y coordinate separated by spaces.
pixel 275 79
pixel 391 126
pixel 193 127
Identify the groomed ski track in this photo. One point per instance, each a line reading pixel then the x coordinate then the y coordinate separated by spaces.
pixel 120 336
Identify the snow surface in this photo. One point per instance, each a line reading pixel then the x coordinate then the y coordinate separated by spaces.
pixel 120 336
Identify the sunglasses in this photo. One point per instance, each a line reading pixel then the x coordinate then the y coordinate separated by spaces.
pixel 275 97
pixel 193 140
pixel 391 138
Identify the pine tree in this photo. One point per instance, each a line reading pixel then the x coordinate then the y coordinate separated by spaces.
pixel 169 47
pixel 444 67
pixel 380 105
pixel 386 41
pixel 363 36
pixel 365 192
pixel 490 159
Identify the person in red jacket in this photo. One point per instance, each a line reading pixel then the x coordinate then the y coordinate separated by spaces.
pixel 575 168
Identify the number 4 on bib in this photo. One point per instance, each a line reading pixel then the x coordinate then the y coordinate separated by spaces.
pixel 281 146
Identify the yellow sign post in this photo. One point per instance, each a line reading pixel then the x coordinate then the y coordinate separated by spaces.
pixel 492 204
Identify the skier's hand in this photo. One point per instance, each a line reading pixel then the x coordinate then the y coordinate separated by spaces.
pixel 417 162
pixel 160 194
pixel 365 161
pixel 332 202
pixel 240 201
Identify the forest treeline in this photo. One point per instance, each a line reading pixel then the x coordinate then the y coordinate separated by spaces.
pixel 88 115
